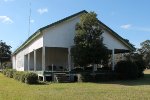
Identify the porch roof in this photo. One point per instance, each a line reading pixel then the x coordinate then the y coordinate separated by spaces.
pixel 116 51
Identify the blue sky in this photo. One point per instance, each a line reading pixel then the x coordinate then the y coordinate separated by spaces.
pixel 129 18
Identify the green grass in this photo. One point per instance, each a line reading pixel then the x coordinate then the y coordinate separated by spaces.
pixel 11 89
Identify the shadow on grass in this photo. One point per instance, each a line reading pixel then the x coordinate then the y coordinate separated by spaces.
pixel 40 83
pixel 141 81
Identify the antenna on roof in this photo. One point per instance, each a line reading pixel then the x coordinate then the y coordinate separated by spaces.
pixel 29 19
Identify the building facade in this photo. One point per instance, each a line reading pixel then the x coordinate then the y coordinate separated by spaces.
pixel 49 47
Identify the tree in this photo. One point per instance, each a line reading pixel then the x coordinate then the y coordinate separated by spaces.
pixel 89 47
pixel 5 53
pixel 145 52
pixel 137 58
pixel 126 69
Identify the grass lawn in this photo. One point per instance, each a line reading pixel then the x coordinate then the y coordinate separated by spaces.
pixel 11 89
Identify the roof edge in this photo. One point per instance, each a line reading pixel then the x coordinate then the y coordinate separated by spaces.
pixel 128 44
pixel 33 36
pixel 39 31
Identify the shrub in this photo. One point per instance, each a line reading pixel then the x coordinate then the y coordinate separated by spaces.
pixel 16 75
pixel 126 70
pixel 84 77
pixel 9 73
pixel 96 77
pixel 7 65
pixel 141 67
pixel 4 71
pixel 25 77
pixel 88 68
pixel 77 70
pixel 89 77
pixel 31 78
pixel 139 61
pixel 106 68
pixel 20 76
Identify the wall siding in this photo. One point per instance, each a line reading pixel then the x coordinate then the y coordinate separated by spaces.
pixel 19 65
pixel 62 35
pixel 112 42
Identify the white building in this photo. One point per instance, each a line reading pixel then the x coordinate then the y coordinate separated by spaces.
pixel 50 46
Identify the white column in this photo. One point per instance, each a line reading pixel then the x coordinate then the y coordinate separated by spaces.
pixel 122 56
pixel 29 62
pixel 69 59
pixel 43 58
pixel 113 59
pixel 34 60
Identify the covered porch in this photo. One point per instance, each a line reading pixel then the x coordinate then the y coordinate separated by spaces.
pixel 48 59
pixel 117 55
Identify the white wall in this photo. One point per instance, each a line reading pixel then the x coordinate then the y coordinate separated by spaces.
pixel 112 42
pixel 38 43
pixel 62 35
pixel 19 65
pixel 19 61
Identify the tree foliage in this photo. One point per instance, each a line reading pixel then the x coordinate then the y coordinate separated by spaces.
pixel 5 52
pixel 89 47
pixel 138 60
pixel 126 70
pixel 145 52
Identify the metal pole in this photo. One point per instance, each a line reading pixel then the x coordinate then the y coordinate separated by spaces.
pixel 29 19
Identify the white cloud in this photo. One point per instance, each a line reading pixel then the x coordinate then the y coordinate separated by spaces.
pixel 126 26
pixel 42 10
pixel 6 19
pixel 135 28
pixel 32 20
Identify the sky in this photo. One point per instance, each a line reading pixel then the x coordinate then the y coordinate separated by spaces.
pixel 129 18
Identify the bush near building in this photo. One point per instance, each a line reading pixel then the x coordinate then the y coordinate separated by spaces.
pixel 25 77
pixel 126 70
pixel 129 69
